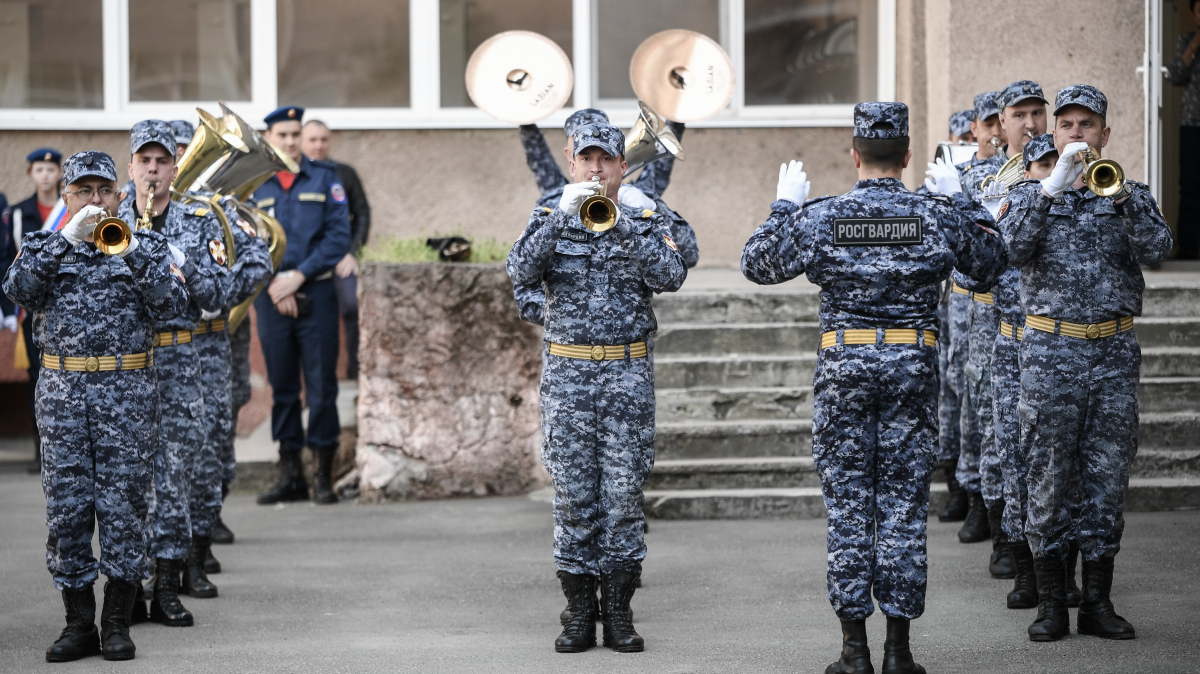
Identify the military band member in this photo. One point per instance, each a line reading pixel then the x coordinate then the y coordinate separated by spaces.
pixel 97 400
pixel 40 211
pixel 1081 286
pixel 597 392
pixel 183 132
pixel 879 253
pixel 960 126
pixel 298 313
pixel 189 228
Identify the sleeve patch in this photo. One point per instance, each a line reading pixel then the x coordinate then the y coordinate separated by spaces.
pixel 338 193
pixel 670 243
pixel 177 274
pixel 216 248
pixel 245 226
pixel 1003 210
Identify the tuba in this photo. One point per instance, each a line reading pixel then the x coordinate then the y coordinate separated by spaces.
pixel 112 235
pixel 1104 177
pixel 643 140
pixel 598 213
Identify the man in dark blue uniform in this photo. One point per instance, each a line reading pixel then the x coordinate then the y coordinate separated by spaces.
pixel 880 254
pixel 298 315
pixel 45 170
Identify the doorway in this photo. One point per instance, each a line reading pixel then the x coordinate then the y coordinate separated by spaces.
pixel 1176 20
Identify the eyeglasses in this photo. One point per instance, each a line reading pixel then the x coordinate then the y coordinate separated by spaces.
pixel 86 193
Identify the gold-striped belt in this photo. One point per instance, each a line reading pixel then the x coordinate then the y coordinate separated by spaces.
pixel 172 338
pixel 203 327
pixel 133 361
pixel 986 298
pixel 1079 330
pixel 617 352
pixel 1012 332
pixel 890 336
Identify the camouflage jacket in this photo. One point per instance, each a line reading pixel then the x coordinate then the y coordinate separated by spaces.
pixel 879 252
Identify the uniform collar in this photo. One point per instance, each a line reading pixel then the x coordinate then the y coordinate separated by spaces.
pixel 878 182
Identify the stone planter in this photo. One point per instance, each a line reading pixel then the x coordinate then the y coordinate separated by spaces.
pixel 448 384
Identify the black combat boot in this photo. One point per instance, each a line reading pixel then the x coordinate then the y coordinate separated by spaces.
pixel 897 658
pixel 1053 621
pixel 975 529
pixel 195 580
pixel 165 607
pixel 1024 593
pixel 856 657
pixel 323 479
pixel 211 564
pixel 1001 563
pixel 1071 590
pixel 114 619
pixel 79 638
pixel 221 534
pixel 1096 613
pixel 616 591
pixel 956 507
pixel 579 632
pixel 291 485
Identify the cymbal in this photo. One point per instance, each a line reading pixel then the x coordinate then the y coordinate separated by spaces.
pixel 684 75
pixel 519 76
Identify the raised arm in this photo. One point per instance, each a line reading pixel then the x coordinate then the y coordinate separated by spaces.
pixel 28 280
pixel 541 160
pixel 1149 235
pixel 772 255
pixel 154 273
pixel 530 255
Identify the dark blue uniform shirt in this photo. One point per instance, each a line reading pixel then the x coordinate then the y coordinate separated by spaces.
pixel 315 216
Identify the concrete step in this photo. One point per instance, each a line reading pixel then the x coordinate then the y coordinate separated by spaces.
pixel 1144 494
pixel 1170 361
pixel 1164 463
pixel 711 404
pixel 1173 331
pixel 1168 394
pixel 737 307
pixel 733 439
pixel 1169 430
pixel 739 371
pixel 1170 301
pixel 754 473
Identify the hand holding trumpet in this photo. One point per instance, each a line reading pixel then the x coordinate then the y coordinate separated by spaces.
pixel 81 225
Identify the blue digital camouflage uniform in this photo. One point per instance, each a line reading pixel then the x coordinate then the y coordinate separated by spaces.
pixel 240 391
pixel 99 430
pixel 1079 257
pixel 977 454
pixel 598 415
pixel 652 181
pixel 874 434
pixel 960 122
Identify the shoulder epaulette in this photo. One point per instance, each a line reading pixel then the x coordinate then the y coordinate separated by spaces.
pixel 548 210
pixel 818 200
pixel 648 212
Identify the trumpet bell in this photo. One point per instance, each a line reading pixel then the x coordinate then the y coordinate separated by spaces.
pixel 648 132
pixel 519 77
pixel 1104 177
pixel 112 236
pixel 598 213
pixel 683 75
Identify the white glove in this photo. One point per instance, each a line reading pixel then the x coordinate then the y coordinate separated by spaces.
pixel 634 198
pixel 10 323
pixel 943 177
pixel 994 190
pixel 177 256
pixel 1065 171
pixel 133 244
pixel 575 194
pixel 208 315
pixel 793 183
pixel 78 228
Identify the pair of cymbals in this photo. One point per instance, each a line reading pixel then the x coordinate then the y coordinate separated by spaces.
pixel 521 77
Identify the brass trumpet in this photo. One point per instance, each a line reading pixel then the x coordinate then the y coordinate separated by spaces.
pixel 112 235
pixel 1104 177
pixel 598 213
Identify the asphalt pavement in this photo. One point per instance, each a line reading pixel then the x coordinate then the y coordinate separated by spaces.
pixel 469 586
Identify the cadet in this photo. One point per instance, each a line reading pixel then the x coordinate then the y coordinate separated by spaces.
pixel 597 392
pixel 183 132
pixel 645 193
pixel 43 209
pixel 97 400
pixel 189 229
pixel 1081 286
pixel 879 253
pixel 298 315
pixel 960 126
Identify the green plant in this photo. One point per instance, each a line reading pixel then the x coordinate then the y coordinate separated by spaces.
pixel 413 249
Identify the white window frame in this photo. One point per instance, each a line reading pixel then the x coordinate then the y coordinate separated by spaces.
pixel 425 112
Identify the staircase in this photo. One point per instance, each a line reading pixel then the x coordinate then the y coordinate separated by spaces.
pixel 734 370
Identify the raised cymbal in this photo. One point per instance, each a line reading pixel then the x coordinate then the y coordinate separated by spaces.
pixel 519 76
pixel 684 75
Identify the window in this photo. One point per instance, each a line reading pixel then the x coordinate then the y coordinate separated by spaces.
pixel 378 64
pixel 350 53
pixel 51 54
pixel 189 50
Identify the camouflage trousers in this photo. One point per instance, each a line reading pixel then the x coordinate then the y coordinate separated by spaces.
pixel 950 421
pixel 1078 416
pixel 948 412
pixel 239 351
pixel 207 473
pixel 98 432
pixel 1006 393
pixel 598 445
pixel 978 448
pixel 181 430
pixel 875 447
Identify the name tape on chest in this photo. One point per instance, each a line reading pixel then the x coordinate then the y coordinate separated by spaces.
pixel 69 259
pixel 576 235
pixel 877 231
